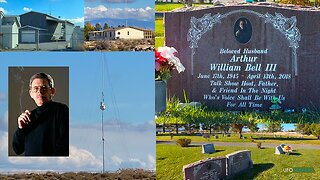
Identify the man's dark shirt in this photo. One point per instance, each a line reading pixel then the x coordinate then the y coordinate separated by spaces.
pixel 47 134
pixel 243 35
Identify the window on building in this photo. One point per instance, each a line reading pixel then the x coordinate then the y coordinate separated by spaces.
pixel 128 33
pixel 118 33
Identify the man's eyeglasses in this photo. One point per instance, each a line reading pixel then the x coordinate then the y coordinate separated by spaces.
pixel 39 88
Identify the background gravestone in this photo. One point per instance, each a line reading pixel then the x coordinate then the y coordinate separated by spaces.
pixel 208 148
pixel 238 162
pixel 277 58
pixel 214 168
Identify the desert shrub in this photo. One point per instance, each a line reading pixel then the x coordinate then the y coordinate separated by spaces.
pixel 184 142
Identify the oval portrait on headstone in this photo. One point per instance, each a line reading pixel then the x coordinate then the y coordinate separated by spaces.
pixel 242 30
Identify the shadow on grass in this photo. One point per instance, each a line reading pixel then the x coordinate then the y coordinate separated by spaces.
pixel 194 145
pixel 295 154
pixel 220 150
pixel 262 148
pixel 255 171
pixel 161 158
pixel 282 138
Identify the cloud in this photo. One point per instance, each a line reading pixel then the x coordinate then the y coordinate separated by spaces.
pixel 4 122
pixel 76 20
pixel 101 11
pixel 116 160
pixel 124 148
pixel 3 1
pixel 152 161
pixel 4 142
pixel 79 159
pixel 128 163
pixel 112 1
pixel 137 161
pixel 3 10
pixel 149 162
pixel 27 9
pixel 2 96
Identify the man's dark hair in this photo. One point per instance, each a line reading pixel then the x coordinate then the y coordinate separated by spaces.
pixel 42 76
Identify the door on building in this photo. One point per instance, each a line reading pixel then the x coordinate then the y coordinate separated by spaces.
pixel 28 36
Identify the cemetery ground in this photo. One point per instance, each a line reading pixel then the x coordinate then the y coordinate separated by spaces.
pixel 274 138
pixel 124 174
pixel 266 164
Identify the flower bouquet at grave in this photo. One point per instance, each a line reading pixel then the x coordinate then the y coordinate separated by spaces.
pixel 165 61
pixel 287 149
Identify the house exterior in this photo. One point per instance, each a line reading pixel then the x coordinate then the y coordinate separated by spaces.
pixel 128 32
pixel 40 28
pixel 9 31
pixel 39 31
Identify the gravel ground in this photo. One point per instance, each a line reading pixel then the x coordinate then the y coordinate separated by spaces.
pixel 126 174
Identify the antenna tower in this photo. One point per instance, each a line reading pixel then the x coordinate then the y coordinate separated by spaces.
pixel 102 108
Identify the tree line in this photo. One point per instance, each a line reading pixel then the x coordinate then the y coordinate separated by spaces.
pixel 192 118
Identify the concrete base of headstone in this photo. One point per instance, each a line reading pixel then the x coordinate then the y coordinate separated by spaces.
pixel 214 168
pixel 208 149
pixel 238 162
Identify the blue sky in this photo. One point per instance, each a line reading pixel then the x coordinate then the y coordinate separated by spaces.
pixel 111 11
pixel 129 95
pixel 286 127
pixel 120 3
pixel 71 10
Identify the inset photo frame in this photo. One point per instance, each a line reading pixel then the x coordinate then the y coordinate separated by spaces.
pixel 38 111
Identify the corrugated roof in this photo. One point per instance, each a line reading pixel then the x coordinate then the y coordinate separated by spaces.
pixel 32 27
pixel 50 17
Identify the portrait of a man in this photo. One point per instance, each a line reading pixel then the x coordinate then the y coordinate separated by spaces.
pixel 243 30
pixel 44 129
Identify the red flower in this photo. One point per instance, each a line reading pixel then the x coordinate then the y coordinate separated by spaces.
pixel 160 59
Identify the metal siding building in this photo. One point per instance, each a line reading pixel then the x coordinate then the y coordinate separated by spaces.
pixel 52 29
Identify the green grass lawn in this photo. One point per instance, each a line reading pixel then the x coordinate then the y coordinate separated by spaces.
pixel 159 41
pixel 159 27
pixel 159 32
pixel 267 165
pixel 162 7
pixel 235 138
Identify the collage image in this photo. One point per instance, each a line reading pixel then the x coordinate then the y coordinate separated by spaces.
pixel 164 89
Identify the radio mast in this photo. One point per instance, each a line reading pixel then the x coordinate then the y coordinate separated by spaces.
pixel 102 108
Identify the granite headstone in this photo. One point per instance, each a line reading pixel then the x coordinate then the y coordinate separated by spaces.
pixel 238 162
pixel 209 169
pixel 240 57
pixel 208 148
